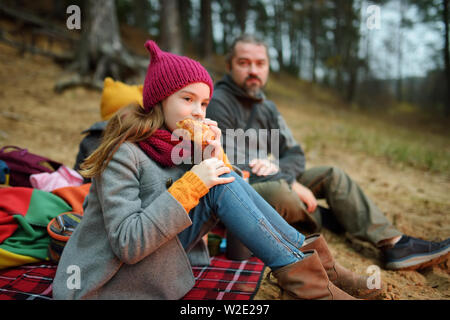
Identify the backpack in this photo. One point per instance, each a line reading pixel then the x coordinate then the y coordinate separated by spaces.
pixel 60 229
pixel 4 173
pixel 22 164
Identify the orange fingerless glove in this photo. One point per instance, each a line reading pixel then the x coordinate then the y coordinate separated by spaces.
pixel 188 190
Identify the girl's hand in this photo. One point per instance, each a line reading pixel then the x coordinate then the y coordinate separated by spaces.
pixel 210 170
pixel 214 149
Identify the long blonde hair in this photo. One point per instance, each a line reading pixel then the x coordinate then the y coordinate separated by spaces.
pixel 131 124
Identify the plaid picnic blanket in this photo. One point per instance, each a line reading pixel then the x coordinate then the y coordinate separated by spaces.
pixel 223 279
pixel 227 279
pixel 27 282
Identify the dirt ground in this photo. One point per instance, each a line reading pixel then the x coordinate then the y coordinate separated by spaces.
pixel 417 202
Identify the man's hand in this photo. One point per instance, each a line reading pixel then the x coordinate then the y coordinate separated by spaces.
pixel 305 195
pixel 263 167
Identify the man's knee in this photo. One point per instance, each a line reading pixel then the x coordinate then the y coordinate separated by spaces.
pixel 320 179
pixel 339 180
pixel 272 191
pixel 281 197
pixel 332 171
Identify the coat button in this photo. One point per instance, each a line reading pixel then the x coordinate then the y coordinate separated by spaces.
pixel 169 183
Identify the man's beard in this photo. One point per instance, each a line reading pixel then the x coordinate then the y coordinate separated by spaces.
pixel 254 91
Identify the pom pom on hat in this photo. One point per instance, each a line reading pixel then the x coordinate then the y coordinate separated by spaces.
pixel 117 95
pixel 168 73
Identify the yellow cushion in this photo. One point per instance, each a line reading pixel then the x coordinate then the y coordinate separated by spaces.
pixel 116 95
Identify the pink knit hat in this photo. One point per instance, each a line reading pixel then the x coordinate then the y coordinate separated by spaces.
pixel 168 73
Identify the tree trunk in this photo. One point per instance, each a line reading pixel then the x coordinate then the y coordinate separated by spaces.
pixel 400 53
pixel 445 16
pixel 206 36
pixel 184 13
pixel 352 61
pixel 100 51
pixel 353 80
pixel 170 27
pixel 294 39
pixel 103 30
pixel 141 12
pixel 313 41
pixel 278 32
pixel 227 18
pixel 241 8
pixel 339 37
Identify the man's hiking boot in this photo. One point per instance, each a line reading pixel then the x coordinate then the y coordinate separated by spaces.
pixel 411 253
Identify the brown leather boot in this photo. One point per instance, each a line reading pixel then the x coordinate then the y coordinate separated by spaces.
pixel 352 283
pixel 307 279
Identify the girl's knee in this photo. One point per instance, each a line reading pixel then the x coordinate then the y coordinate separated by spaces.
pixel 237 177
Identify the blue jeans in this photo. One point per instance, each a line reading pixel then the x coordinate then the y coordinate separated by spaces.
pixel 251 219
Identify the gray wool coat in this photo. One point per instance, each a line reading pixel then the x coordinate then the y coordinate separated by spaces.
pixel 126 246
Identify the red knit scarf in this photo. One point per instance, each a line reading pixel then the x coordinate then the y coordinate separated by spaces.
pixel 159 147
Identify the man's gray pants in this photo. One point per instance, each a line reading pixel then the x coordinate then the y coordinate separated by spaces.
pixel 351 208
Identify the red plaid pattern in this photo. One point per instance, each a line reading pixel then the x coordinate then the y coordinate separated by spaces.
pixel 226 279
pixel 27 282
pixel 223 279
